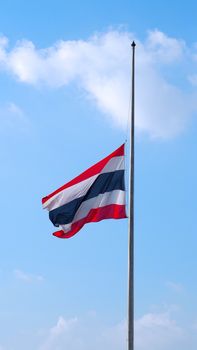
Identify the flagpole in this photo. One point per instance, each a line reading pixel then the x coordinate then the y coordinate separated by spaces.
pixel 131 215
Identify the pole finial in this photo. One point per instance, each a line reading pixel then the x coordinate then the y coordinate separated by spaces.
pixel 133 44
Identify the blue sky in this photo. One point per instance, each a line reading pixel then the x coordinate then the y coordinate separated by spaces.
pixel 64 82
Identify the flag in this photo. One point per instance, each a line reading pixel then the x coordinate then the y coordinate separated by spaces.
pixel 96 194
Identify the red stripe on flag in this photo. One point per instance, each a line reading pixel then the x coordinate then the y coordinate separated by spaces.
pixel 93 170
pixel 113 211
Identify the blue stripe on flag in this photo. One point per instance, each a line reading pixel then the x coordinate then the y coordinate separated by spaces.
pixel 106 182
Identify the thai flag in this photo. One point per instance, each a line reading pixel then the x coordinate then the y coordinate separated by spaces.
pixel 96 194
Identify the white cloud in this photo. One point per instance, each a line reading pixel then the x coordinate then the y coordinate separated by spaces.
pixel 101 66
pixel 27 277
pixel 61 332
pixel 156 331
pixel 163 48
pixel 62 326
pixel 86 334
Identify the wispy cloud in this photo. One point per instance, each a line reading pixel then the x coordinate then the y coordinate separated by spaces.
pixel 62 331
pixel 157 331
pixel 12 117
pixel 176 287
pixel 27 277
pixel 154 330
pixel 83 334
pixel 101 66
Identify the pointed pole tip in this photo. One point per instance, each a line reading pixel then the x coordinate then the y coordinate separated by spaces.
pixel 133 44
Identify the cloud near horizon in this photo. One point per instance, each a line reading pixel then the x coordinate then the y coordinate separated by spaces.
pixel 100 66
pixel 157 331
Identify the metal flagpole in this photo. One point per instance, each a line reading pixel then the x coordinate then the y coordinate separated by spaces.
pixel 131 216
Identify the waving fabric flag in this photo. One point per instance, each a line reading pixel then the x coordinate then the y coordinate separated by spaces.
pixel 96 194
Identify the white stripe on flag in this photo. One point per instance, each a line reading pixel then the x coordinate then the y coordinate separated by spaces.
pixel 116 163
pixel 107 198
pixel 81 188
pixel 70 193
